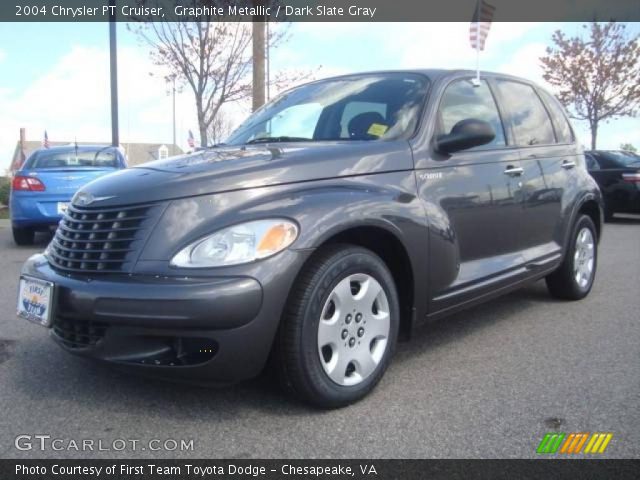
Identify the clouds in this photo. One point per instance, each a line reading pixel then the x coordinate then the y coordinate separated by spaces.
pixel 72 101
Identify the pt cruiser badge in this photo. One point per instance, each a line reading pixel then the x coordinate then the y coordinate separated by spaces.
pixel 317 236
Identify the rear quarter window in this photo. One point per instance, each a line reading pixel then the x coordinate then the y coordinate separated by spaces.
pixel 563 129
pixel 530 120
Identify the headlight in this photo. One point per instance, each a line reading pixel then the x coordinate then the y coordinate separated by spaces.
pixel 240 243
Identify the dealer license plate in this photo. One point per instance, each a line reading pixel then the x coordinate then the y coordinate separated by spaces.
pixel 35 300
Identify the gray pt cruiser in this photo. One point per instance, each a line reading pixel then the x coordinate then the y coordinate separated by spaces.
pixel 332 222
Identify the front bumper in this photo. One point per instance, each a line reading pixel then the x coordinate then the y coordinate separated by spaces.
pixel 200 329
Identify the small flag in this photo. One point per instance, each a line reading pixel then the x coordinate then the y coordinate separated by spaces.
pixel 480 24
pixel 45 140
pixel 191 140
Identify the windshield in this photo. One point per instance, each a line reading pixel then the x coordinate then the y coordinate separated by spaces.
pixel 380 106
pixel 73 158
pixel 622 158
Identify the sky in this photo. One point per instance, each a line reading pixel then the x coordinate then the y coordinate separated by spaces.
pixel 55 76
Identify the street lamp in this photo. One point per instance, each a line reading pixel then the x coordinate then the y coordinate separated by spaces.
pixel 171 83
pixel 113 70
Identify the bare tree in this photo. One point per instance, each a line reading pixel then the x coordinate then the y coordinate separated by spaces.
pixel 212 58
pixel 598 78
pixel 220 128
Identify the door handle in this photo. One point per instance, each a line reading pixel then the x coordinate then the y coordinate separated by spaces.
pixel 513 171
pixel 568 164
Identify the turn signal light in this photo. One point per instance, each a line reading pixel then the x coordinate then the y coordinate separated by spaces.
pixel 31 184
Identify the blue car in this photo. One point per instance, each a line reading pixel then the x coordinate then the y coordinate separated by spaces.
pixel 42 189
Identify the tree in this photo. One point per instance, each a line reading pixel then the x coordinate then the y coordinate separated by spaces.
pixel 597 78
pixel 212 58
pixel 220 128
pixel 627 147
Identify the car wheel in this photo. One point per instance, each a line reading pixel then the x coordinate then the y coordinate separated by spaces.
pixel 340 327
pixel 23 236
pixel 574 279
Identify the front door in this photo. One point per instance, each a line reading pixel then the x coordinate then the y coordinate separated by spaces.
pixel 472 199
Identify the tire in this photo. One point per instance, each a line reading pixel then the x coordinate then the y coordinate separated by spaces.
pixel 564 283
pixel 311 350
pixel 23 236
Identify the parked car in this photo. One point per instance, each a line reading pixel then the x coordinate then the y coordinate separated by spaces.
pixel 42 189
pixel 618 174
pixel 333 221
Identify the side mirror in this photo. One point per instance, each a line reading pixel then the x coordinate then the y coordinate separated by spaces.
pixel 465 134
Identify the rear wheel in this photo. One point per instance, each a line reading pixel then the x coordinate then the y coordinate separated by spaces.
pixel 574 279
pixel 23 236
pixel 340 327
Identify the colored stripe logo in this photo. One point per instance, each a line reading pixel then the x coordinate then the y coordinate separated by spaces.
pixel 574 443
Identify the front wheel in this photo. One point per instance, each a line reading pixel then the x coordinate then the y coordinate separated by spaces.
pixel 574 279
pixel 340 327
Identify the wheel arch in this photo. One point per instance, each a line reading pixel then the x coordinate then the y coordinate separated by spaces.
pixel 388 246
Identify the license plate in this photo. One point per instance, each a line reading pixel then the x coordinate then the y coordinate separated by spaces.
pixel 35 300
pixel 62 207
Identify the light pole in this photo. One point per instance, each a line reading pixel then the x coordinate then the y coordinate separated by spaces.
pixel 113 64
pixel 171 79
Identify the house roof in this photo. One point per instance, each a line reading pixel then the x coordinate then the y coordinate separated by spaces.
pixel 136 153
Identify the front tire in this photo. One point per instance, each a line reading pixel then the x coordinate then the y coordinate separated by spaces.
pixel 340 327
pixel 574 278
pixel 23 236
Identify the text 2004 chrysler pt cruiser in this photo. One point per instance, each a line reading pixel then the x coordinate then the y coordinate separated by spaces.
pixel 335 219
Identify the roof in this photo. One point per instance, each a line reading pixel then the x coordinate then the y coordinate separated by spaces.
pixel 136 153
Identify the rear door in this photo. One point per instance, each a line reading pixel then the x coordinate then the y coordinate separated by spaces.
pixel 548 156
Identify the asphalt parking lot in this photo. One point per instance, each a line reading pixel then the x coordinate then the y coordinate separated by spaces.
pixel 488 383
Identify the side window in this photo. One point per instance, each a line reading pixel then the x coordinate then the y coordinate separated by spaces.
pixel 531 123
pixel 296 121
pixel 563 129
pixel 591 162
pixel 353 109
pixel 461 100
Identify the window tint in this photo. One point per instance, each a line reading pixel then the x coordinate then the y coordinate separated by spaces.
pixel 563 129
pixel 461 100
pixel 591 162
pixel 72 158
pixel 353 109
pixel 618 159
pixel 531 123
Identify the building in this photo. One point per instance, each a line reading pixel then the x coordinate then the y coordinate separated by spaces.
pixel 136 153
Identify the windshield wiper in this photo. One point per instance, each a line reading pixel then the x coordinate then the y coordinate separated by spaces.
pixel 278 139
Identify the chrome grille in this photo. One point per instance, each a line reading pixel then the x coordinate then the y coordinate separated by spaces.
pixel 98 240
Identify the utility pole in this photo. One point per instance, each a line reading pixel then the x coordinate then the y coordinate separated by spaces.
pixel 113 57
pixel 258 58
pixel 172 78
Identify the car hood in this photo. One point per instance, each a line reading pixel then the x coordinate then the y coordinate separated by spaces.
pixel 225 169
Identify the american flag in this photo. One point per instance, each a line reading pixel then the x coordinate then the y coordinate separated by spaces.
pixel 480 24
pixel 191 141
pixel 45 140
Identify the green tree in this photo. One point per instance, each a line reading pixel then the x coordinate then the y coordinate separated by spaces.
pixel 598 77
pixel 627 147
